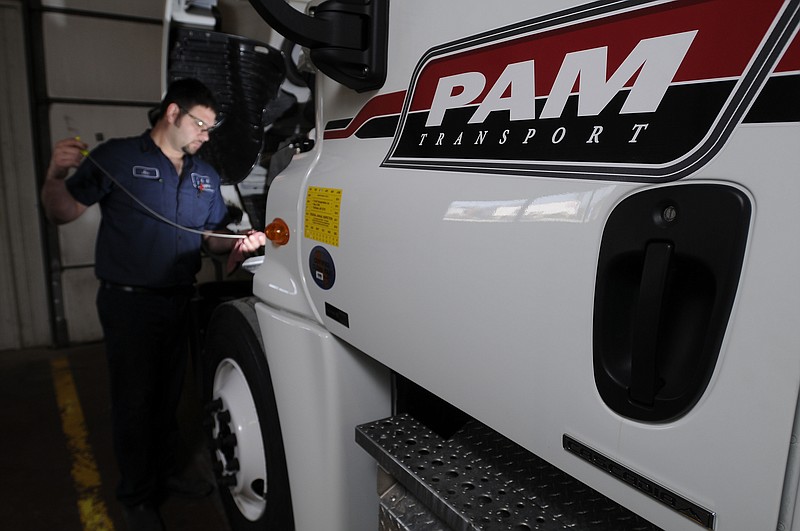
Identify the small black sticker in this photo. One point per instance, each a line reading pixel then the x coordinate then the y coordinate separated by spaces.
pixel 337 315
pixel 322 269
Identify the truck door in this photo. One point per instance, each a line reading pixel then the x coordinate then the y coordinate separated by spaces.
pixel 574 222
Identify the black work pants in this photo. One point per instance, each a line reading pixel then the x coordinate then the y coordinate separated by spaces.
pixel 146 347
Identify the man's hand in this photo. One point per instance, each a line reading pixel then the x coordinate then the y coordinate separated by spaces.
pixel 67 154
pixel 254 241
pixel 59 205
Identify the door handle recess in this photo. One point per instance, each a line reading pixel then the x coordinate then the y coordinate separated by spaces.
pixel 667 275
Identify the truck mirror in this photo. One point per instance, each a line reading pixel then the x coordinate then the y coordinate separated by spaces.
pixel 348 40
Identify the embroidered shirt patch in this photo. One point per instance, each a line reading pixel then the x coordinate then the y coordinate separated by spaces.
pixel 202 182
pixel 144 172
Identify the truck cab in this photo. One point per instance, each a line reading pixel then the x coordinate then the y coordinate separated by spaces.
pixel 535 263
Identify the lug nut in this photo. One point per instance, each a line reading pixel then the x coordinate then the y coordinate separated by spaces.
pixel 232 465
pixel 214 406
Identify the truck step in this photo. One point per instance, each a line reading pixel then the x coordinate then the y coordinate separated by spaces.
pixel 480 480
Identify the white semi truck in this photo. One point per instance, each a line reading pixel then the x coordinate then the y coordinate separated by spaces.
pixel 537 265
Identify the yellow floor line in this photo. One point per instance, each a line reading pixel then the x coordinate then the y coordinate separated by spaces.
pixel 92 509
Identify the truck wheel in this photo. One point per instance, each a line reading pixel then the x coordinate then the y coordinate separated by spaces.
pixel 242 423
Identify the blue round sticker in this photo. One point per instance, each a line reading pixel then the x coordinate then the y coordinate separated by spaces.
pixel 322 269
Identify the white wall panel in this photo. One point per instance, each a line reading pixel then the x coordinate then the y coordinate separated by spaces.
pixel 77 239
pixel 102 59
pixel 95 123
pixel 80 292
pixel 141 8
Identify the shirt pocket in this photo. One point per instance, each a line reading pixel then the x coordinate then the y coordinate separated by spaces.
pixel 196 202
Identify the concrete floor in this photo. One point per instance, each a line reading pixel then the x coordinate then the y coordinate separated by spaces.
pixel 38 491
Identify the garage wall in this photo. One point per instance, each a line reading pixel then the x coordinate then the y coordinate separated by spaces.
pixel 102 64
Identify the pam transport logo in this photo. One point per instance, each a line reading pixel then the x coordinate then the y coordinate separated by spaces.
pixel 628 90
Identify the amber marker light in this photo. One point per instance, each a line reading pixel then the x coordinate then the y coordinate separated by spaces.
pixel 277 232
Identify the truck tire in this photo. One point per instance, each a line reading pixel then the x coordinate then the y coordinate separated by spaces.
pixel 242 422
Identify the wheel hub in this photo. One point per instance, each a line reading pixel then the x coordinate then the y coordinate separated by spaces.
pixel 237 442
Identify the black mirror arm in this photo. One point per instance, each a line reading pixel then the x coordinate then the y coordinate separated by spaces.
pixel 311 32
pixel 348 39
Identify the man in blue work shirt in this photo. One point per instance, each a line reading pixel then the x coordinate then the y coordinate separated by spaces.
pixel 150 188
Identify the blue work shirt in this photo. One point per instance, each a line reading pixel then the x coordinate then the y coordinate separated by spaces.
pixel 133 246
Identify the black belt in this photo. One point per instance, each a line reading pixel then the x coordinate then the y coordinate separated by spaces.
pixel 170 291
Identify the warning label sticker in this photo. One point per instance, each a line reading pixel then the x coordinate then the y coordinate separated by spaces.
pixel 322 214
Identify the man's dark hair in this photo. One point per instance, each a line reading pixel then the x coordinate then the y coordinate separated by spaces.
pixel 186 93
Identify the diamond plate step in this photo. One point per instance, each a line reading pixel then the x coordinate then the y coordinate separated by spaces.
pixel 480 480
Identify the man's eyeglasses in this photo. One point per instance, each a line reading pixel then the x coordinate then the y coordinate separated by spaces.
pixel 201 124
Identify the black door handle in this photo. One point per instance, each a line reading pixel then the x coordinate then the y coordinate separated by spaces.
pixel 647 319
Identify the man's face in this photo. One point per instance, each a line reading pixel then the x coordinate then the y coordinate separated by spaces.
pixel 193 127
